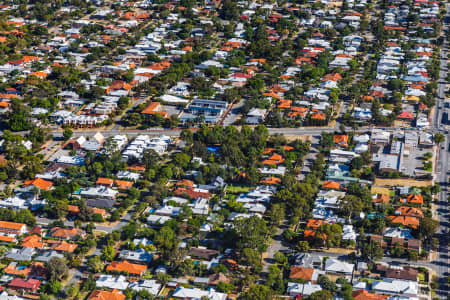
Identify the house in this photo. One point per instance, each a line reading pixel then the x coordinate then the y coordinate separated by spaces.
pixel 335 266
pixel 306 260
pixel 112 282
pixel 396 287
pixel 106 295
pixel 65 233
pixel 256 116
pixel 341 140
pixel 203 253
pixel 47 255
pixel 23 254
pixel 32 241
pixel 379 136
pixel 99 192
pixel 194 294
pixel 125 266
pixel 12 228
pixel 40 183
pixel 380 199
pixel 348 233
pixel 105 182
pixel 332 185
pixel 307 274
pixel 366 295
pixel 139 255
pixel 65 247
pixel 407 221
pixel 30 285
pixel 398 272
pixel 152 286
pixel 299 289
pixel 409 211
pixel 104 203
pixel 414 199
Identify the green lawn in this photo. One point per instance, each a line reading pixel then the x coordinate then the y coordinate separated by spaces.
pixel 237 189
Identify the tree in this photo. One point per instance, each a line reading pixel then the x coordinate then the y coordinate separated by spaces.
pixel 251 232
pixel 439 138
pixel 428 227
pixel 225 287
pixel 257 292
pixel 303 246
pixel 53 287
pixel 397 251
pixel 413 255
pixel 321 295
pixel 67 134
pixel 252 258
pixel 372 250
pixel 427 155
pixel 108 253
pixel 280 258
pixel 95 264
pixel 326 283
pixel 56 268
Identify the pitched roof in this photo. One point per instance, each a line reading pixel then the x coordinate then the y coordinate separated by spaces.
pixel 405 220
pixel 298 272
pixel 331 185
pixel 33 241
pixel 11 225
pixel 341 139
pixel 123 184
pixel 39 183
pixel 65 233
pixel 311 233
pixel 318 116
pixel 381 198
pixel 7 239
pixel 125 266
pixel 365 295
pixel 274 159
pixel 314 223
pixel 73 209
pixel 412 198
pixel 25 284
pixel 65 247
pixel 270 180
pixel 104 181
pixel 106 295
pixel 409 211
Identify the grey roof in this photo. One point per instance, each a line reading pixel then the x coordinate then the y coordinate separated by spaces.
pixel 104 203
pixel 306 260
pixel 137 255
pixel 46 256
pixel 26 253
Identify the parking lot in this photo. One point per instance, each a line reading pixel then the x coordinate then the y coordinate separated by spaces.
pixel 412 161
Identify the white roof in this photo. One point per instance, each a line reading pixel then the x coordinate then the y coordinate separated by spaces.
pixel 150 285
pixel 302 289
pixel 337 266
pixel 112 282
pixel 194 293
pixel 398 233
pixel 396 286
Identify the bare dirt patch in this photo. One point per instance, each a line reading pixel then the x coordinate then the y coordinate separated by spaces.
pixel 402 182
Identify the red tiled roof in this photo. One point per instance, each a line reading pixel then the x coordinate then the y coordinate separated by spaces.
pixel 39 183
pixel 125 266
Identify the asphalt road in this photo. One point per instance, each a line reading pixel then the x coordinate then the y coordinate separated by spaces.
pixel 98 227
pixel 442 262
